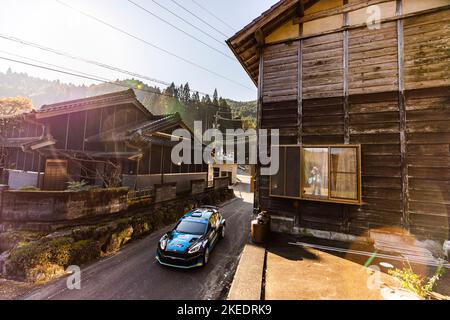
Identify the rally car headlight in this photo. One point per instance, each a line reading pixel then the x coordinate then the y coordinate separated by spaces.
pixel 196 248
pixel 163 242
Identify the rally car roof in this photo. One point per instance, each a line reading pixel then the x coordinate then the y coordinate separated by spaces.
pixel 200 213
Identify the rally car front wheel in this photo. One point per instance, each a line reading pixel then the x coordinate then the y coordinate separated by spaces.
pixel 222 232
pixel 206 256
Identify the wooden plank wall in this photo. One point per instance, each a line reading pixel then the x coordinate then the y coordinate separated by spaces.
pixel 323 66
pixel 280 73
pixel 373 59
pixel 374 123
pixel 427 50
pixel 428 159
pixel 405 135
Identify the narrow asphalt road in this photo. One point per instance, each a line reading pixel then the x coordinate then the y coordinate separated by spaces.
pixel 133 273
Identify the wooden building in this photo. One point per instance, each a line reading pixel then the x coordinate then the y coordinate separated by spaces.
pixel 108 140
pixel 360 91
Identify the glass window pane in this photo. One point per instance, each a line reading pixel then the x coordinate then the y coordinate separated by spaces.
pixel 277 179
pixel 315 166
pixel 344 177
pixel 293 172
pixel 344 186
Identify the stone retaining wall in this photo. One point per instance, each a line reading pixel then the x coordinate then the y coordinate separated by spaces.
pixel 40 257
pixel 165 192
pixel 47 206
pixel 198 186
pixel 221 183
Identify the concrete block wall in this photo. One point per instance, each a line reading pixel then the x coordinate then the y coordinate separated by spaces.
pixel 198 186
pixel 221 183
pixel 183 180
pixel 165 192
pixel 45 206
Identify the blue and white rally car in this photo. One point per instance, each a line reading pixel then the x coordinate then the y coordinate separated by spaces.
pixel 192 239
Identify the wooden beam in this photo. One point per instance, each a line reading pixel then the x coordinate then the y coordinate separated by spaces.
pixel 84 130
pixel 345 81
pixel 301 9
pixel 348 7
pixel 362 25
pixel 256 206
pixel 260 38
pixel 265 18
pixel 67 131
pixel 402 113
pixel 300 90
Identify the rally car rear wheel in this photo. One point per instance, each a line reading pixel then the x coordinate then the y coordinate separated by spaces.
pixel 206 256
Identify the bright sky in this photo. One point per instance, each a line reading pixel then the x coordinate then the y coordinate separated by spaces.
pixel 50 24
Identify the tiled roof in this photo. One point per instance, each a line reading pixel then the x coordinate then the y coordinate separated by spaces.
pixel 244 44
pixel 127 96
pixel 164 123
pixel 25 142
pixel 145 128
pixel 78 154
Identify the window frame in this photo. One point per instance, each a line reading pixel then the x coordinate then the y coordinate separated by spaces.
pixel 285 146
pixel 328 198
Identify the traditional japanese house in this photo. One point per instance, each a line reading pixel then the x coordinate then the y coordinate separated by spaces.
pixel 360 91
pixel 107 140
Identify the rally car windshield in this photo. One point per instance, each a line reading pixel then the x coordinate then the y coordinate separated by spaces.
pixel 191 227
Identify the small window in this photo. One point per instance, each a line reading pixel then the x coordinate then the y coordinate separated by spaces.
pixel 315 173
pixel 285 183
pixel 344 173
pixel 319 173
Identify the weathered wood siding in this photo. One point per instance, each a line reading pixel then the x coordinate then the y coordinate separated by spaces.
pixel 396 107
pixel 280 73
pixel 374 123
pixel 428 159
pixel 427 50
pixel 322 71
pixel 373 59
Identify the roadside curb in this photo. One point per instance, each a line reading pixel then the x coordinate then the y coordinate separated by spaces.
pixel 248 280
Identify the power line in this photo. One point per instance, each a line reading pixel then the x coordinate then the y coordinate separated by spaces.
pixel 99 64
pixel 199 18
pixel 215 16
pixel 189 23
pixel 182 31
pixel 52 65
pixel 80 75
pixel 154 46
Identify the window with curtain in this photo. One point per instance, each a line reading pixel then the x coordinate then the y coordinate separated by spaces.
pixel 320 173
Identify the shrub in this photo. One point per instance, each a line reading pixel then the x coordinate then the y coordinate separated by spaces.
pixel 44 259
pixel 85 251
pixel 411 281
pixel 77 186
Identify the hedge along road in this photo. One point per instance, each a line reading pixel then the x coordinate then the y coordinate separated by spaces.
pixel 133 272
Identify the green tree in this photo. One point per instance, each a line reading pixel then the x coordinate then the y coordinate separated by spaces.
pixel 215 98
pixel 185 93
pixel 206 100
pixel 170 90
pixel 13 106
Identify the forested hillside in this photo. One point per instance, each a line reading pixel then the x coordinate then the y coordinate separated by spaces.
pixel 210 109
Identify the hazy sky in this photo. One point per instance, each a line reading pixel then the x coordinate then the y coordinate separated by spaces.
pixel 48 23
